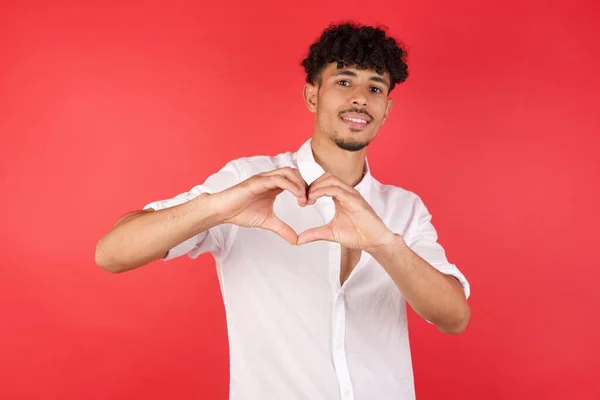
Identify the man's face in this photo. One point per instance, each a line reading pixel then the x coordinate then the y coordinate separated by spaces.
pixel 350 105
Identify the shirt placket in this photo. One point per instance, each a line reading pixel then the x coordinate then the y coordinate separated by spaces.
pixel 338 336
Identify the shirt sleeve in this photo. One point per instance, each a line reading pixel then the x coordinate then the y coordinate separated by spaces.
pixel 425 243
pixel 214 239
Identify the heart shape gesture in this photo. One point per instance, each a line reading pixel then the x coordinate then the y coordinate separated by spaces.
pixel 355 224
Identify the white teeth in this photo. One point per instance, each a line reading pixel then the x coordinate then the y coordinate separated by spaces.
pixel 358 121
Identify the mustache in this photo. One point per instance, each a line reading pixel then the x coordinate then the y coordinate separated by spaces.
pixel 358 111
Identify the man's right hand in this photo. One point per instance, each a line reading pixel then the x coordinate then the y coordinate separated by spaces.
pixel 250 203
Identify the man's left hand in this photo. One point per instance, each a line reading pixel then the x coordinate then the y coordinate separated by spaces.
pixel 355 224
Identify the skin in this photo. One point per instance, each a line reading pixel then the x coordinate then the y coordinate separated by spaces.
pixel 338 148
pixel 341 151
pixel 141 237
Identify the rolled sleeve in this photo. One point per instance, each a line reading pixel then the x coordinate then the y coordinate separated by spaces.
pixel 212 240
pixel 425 243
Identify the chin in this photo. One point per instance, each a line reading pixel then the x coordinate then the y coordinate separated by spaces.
pixel 350 144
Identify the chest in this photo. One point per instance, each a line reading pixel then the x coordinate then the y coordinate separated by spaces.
pixel 320 264
pixel 348 260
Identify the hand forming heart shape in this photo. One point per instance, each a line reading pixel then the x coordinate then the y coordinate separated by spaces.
pixel 355 224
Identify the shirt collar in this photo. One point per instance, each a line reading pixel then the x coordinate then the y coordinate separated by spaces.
pixel 311 170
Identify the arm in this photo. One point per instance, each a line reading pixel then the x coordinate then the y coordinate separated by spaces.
pixel 141 237
pixel 437 297
pixel 419 269
pixel 182 223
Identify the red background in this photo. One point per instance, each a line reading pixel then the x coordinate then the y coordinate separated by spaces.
pixel 106 106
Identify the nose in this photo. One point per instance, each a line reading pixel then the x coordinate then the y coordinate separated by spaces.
pixel 359 97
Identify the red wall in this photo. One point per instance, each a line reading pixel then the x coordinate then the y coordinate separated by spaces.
pixel 107 106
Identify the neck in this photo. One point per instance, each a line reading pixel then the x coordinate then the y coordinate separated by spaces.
pixel 349 166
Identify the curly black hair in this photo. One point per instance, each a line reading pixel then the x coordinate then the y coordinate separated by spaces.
pixel 363 47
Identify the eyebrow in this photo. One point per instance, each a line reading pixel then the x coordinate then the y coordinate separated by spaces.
pixel 375 78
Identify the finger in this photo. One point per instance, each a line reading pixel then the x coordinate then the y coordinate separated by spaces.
pixel 312 235
pixel 293 175
pixel 301 180
pixel 329 180
pixel 336 192
pixel 278 181
pixel 276 225
pixel 326 175
pixel 303 185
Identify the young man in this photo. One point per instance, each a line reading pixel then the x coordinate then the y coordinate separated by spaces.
pixel 316 299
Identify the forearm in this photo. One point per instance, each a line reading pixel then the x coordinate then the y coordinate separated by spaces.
pixel 435 296
pixel 143 237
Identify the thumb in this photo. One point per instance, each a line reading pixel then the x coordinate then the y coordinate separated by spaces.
pixel 276 225
pixel 312 235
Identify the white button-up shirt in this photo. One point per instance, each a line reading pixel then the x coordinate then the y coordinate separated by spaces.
pixel 294 331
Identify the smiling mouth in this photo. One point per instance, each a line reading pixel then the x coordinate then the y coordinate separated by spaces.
pixel 356 122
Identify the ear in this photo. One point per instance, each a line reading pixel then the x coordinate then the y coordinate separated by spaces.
pixel 388 110
pixel 310 96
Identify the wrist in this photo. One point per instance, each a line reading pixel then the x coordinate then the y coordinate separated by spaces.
pixel 206 210
pixel 388 244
